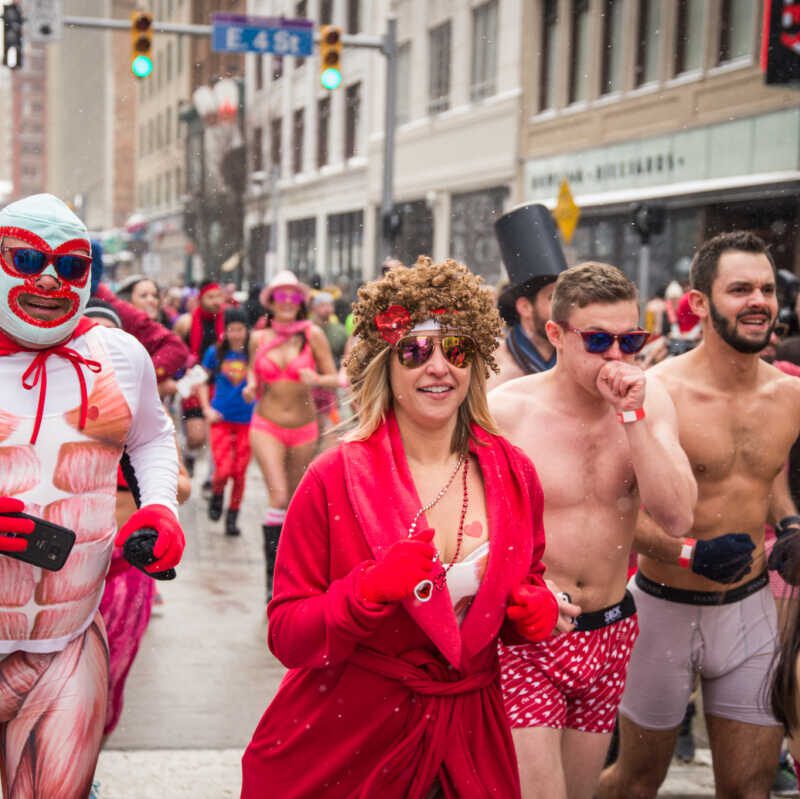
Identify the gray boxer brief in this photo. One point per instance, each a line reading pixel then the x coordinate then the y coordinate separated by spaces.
pixel 729 646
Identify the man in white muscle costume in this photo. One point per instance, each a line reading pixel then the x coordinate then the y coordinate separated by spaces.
pixel 74 396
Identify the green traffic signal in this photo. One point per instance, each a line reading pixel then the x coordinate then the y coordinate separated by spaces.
pixel 142 66
pixel 330 78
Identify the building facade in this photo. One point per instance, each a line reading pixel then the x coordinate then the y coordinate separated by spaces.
pixel 676 115
pixel 156 229
pixel 316 156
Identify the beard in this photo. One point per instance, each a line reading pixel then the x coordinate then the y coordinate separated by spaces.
pixel 727 332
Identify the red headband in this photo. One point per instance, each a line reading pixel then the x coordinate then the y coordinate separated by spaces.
pixel 208 287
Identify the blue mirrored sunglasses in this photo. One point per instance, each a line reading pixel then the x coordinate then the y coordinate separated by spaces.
pixel 28 261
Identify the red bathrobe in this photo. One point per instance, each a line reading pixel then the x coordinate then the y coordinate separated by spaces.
pixel 384 700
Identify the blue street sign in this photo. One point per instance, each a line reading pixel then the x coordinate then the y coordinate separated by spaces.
pixel 237 33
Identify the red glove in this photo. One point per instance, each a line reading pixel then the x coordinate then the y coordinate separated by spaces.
pixel 170 542
pixel 9 525
pixel 404 565
pixel 534 611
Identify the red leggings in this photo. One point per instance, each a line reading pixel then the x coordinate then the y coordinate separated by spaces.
pixel 230 445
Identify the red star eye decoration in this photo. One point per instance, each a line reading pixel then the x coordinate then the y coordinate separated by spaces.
pixel 393 323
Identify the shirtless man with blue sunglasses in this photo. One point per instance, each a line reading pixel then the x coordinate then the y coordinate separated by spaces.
pixel 604 440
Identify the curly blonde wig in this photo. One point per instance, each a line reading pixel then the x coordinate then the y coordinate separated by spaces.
pixel 448 290
pixel 458 301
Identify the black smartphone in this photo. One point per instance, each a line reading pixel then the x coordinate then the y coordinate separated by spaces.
pixel 49 544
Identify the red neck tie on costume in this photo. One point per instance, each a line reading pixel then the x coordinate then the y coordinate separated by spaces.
pixel 37 371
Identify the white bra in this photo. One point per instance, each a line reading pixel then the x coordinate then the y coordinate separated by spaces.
pixel 464 578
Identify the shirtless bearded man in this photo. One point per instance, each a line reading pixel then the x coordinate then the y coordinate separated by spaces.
pixel 602 446
pixel 739 417
pixel 75 394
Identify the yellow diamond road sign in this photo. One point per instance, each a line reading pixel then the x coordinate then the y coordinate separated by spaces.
pixel 566 213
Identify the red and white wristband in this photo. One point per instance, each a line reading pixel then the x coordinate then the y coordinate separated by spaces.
pixel 687 548
pixel 627 417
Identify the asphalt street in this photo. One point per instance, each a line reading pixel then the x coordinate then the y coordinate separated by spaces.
pixel 204 675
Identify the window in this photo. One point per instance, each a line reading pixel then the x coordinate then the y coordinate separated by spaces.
pixel 258 150
pixel 484 51
pixel 737 19
pixel 275 145
pixel 613 38
pixel 439 77
pixel 343 247
pixel 352 116
pixel 353 16
pixel 323 125
pixel 549 54
pixel 579 52
pixel 168 126
pixel 472 238
pixel 179 67
pixel 325 12
pixel 169 61
pixel 167 188
pixel 649 44
pixel 689 36
pixel 277 67
pixel 301 12
pixel 298 133
pixel 178 182
pixel 403 83
pixel 302 247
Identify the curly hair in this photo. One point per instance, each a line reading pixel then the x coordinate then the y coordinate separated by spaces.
pixel 447 290
pixel 456 298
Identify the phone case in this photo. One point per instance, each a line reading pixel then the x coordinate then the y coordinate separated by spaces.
pixel 49 544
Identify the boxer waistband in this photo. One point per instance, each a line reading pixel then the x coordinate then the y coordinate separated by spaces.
pixel 688 597
pixel 597 619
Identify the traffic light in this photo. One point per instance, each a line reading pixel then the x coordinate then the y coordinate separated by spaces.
pixel 141 43
pixel 12 35
pixel 330 56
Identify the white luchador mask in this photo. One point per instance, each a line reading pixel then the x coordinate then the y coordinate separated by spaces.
pixel 37 237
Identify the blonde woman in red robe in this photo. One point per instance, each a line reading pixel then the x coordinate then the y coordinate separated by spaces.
pixel 406 552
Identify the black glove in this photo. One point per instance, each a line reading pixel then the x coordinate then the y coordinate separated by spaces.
pixel 724 559
pixel 785 555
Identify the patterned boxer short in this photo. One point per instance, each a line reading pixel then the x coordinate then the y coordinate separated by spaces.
pixel 574 680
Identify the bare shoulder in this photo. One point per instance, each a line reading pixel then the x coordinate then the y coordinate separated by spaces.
pixel 316 335
pixel 677 375
pixel 510 402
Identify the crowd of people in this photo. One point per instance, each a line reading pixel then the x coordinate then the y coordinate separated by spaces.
pixel 509 536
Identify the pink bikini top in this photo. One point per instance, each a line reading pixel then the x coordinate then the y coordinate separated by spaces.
pixel 267 371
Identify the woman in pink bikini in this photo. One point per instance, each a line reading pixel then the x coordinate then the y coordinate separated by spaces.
pixel 287 359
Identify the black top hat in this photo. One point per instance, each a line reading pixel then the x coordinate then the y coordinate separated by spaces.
pixel 532 254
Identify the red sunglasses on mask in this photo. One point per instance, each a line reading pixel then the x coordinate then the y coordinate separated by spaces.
pixel 29 262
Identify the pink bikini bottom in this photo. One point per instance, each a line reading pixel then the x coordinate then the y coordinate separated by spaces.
pixel 288 436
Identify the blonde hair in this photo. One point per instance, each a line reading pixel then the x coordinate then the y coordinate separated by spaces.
pixel 371 395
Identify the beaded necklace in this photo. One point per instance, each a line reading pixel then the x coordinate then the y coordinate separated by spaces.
pixel 423 591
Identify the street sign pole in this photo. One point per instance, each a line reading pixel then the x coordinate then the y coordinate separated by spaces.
pixel 390 121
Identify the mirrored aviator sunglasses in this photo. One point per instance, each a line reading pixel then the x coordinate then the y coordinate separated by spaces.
pixel 29 262
pixel 599 341
pixel 414 351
